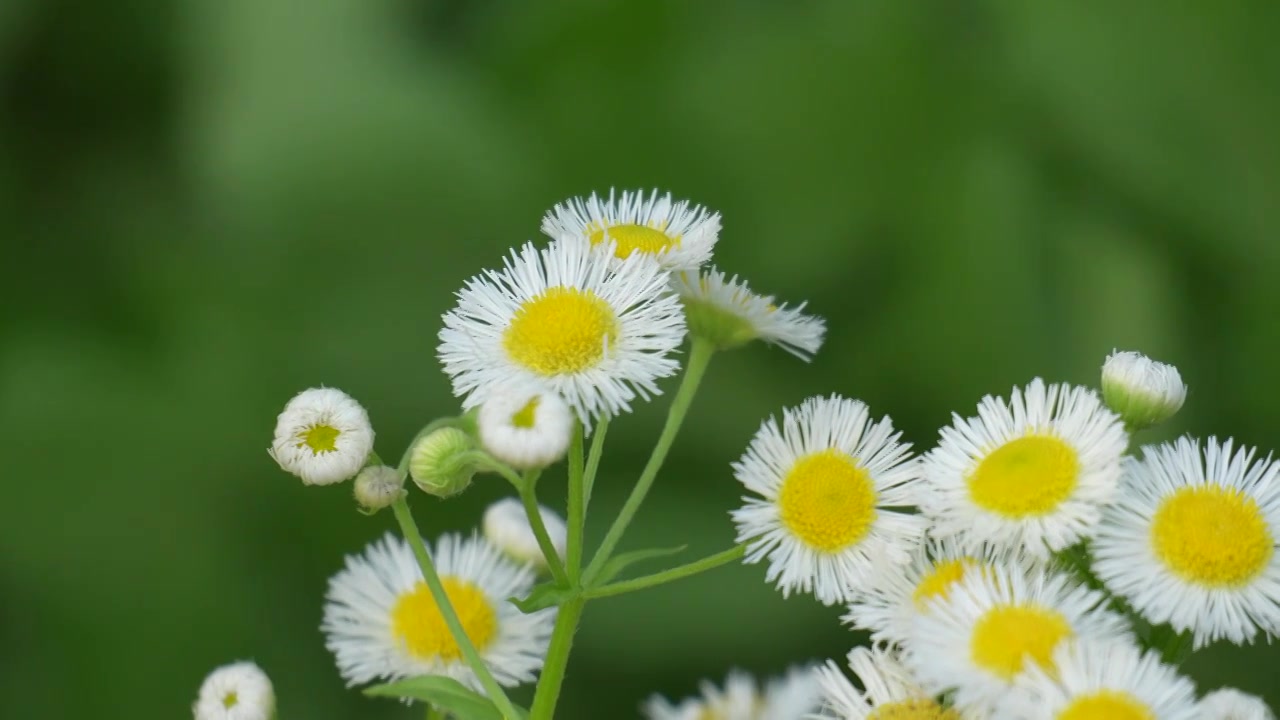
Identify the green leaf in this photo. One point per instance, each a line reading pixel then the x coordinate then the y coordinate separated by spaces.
pixel 442 692
pixel 618 563
pixel 544 595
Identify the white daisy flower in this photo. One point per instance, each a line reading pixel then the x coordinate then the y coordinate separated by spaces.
pixel 1032 473
pixel 729 314
pixel 677 235
pixel 1191 540
pixel 828 476
pixel 1101 679
pixel 789 697
pixel 562 318
pixel 1231 704
pixel 525 427
pixel 994 624
pixel 887 606
pixel 507 526
pixel 323 436
pixel 1142 391
pixel 382 623
pixel 889 690
pixel 239 691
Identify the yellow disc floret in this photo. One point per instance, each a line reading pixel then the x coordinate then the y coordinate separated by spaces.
pixel 320 438
pixel 1106 705
pixel 1025 477
pixel 937 583
pixel 635 238
pixel 827 501
pixel 1212 535
pixel 523 418
pixel 1008 635
pixel 561 331
pixel 416 620
pixel 914 709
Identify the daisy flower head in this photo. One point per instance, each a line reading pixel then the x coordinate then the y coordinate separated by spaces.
pixel 993 625
pixel 381 621
pixel 1101 679
pixel 1033 472
pixel 729 314
pixel 888 690
pixel 1191 540
pixel 887 606
pixel 239 691
pixel 789 697
pixel 323 436
pixel 1142 391
pixel 1231 704
pixel 678 235
pixel 525 427
pixel 507 526
pixel 828 479
pixel 562 318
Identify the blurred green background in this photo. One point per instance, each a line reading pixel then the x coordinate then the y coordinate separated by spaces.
pixel 208 206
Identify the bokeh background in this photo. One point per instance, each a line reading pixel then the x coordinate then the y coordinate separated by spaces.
pixel 207 206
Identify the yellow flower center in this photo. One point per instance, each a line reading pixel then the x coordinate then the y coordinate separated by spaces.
pixel 1026 477
pixel 827 501
pixel 320 438
pixel 564 330
pixel 938 581
pixel 230 700
pixel 635 238
pixel 417 622
pixel 1007 635
pixel 1106 705
pixel 523 418
pixel 1212 535
pixel 914 709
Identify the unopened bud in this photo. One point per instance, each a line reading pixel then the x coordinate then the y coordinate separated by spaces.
pixel 440 464
pixel 377 487
pixel 1142 391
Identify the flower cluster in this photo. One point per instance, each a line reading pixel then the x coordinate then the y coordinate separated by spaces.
pixel 1027 566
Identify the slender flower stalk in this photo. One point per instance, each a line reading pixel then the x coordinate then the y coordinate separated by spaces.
pixel 410 530
pixel 699 359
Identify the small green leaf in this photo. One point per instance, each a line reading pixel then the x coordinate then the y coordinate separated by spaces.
pixel 445 693
pixel 544 595
pixel 618 563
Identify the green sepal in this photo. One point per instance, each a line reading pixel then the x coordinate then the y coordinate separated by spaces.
pixel 545 595
pixel 621 562
pixel 444 693
pixel 723 329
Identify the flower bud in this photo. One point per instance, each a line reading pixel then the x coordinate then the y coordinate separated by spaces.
pixel 1140 390
pixel 525 428
pixel 240 691
pixel 323 436
pixel 506 525
pixel 377 487
pixel 439 463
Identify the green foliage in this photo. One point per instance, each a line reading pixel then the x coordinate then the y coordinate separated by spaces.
pixel 444 693
pixel 207 206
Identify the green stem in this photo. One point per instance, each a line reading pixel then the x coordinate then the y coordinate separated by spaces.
pixel 666 576
pixel 411 534
pixel 435 713
pixel 699 358
pixel 593 462
pixel 552 678
pixel 530 498
pixel 577 510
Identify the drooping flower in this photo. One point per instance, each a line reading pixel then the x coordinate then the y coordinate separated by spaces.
pixel 729 314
